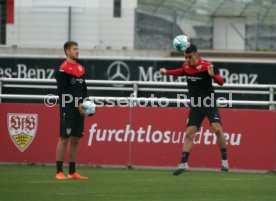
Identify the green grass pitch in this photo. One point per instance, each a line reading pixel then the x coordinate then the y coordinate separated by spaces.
pixel 37 183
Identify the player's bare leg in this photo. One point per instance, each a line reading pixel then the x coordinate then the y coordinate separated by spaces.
pixel 60 153
pixel 73 149
pixel 187 148
pixel 61 148
pixel 222 145
pixel 72 154
pixel 189 138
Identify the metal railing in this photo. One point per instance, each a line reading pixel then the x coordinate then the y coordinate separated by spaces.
pixel 134 87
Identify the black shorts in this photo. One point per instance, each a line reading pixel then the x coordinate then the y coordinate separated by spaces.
pixel 197 114
pixel 71 122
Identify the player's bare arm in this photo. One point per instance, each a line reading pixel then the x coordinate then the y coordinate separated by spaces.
pixel 163 71
pixel 211 70
pixel 80 108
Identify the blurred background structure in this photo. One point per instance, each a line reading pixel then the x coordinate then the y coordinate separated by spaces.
pixel 139 24
pixel 217 24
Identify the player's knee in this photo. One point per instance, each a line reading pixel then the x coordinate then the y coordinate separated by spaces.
pixel 74 140
pixel 190 133
pixel 217 128
pixel 64 141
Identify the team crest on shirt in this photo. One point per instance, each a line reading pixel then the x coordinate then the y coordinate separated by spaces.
pixel 68 131
pixel 22 129
pixel 198 67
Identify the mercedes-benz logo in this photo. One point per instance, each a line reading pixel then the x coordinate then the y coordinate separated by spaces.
pixel 118 70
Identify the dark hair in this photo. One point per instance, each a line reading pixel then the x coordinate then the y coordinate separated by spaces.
pixel 68 45
pixel 191 49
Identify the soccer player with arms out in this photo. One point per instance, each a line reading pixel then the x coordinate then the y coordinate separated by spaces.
pixel 72 90
pixel 199 74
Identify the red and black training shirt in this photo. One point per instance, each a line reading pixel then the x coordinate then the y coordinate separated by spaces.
pixel 198 79
pixel 71 81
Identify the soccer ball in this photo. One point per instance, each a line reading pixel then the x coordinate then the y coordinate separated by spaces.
pixel 89 108
pixel 181 43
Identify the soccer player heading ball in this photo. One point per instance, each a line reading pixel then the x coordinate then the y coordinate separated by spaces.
pixel 199 74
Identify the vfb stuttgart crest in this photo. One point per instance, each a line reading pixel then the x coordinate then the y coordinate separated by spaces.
pixel 22 129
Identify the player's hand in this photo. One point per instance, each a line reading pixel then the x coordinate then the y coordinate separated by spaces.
pixel 163 71
pixel 210 69
pixel 81 109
